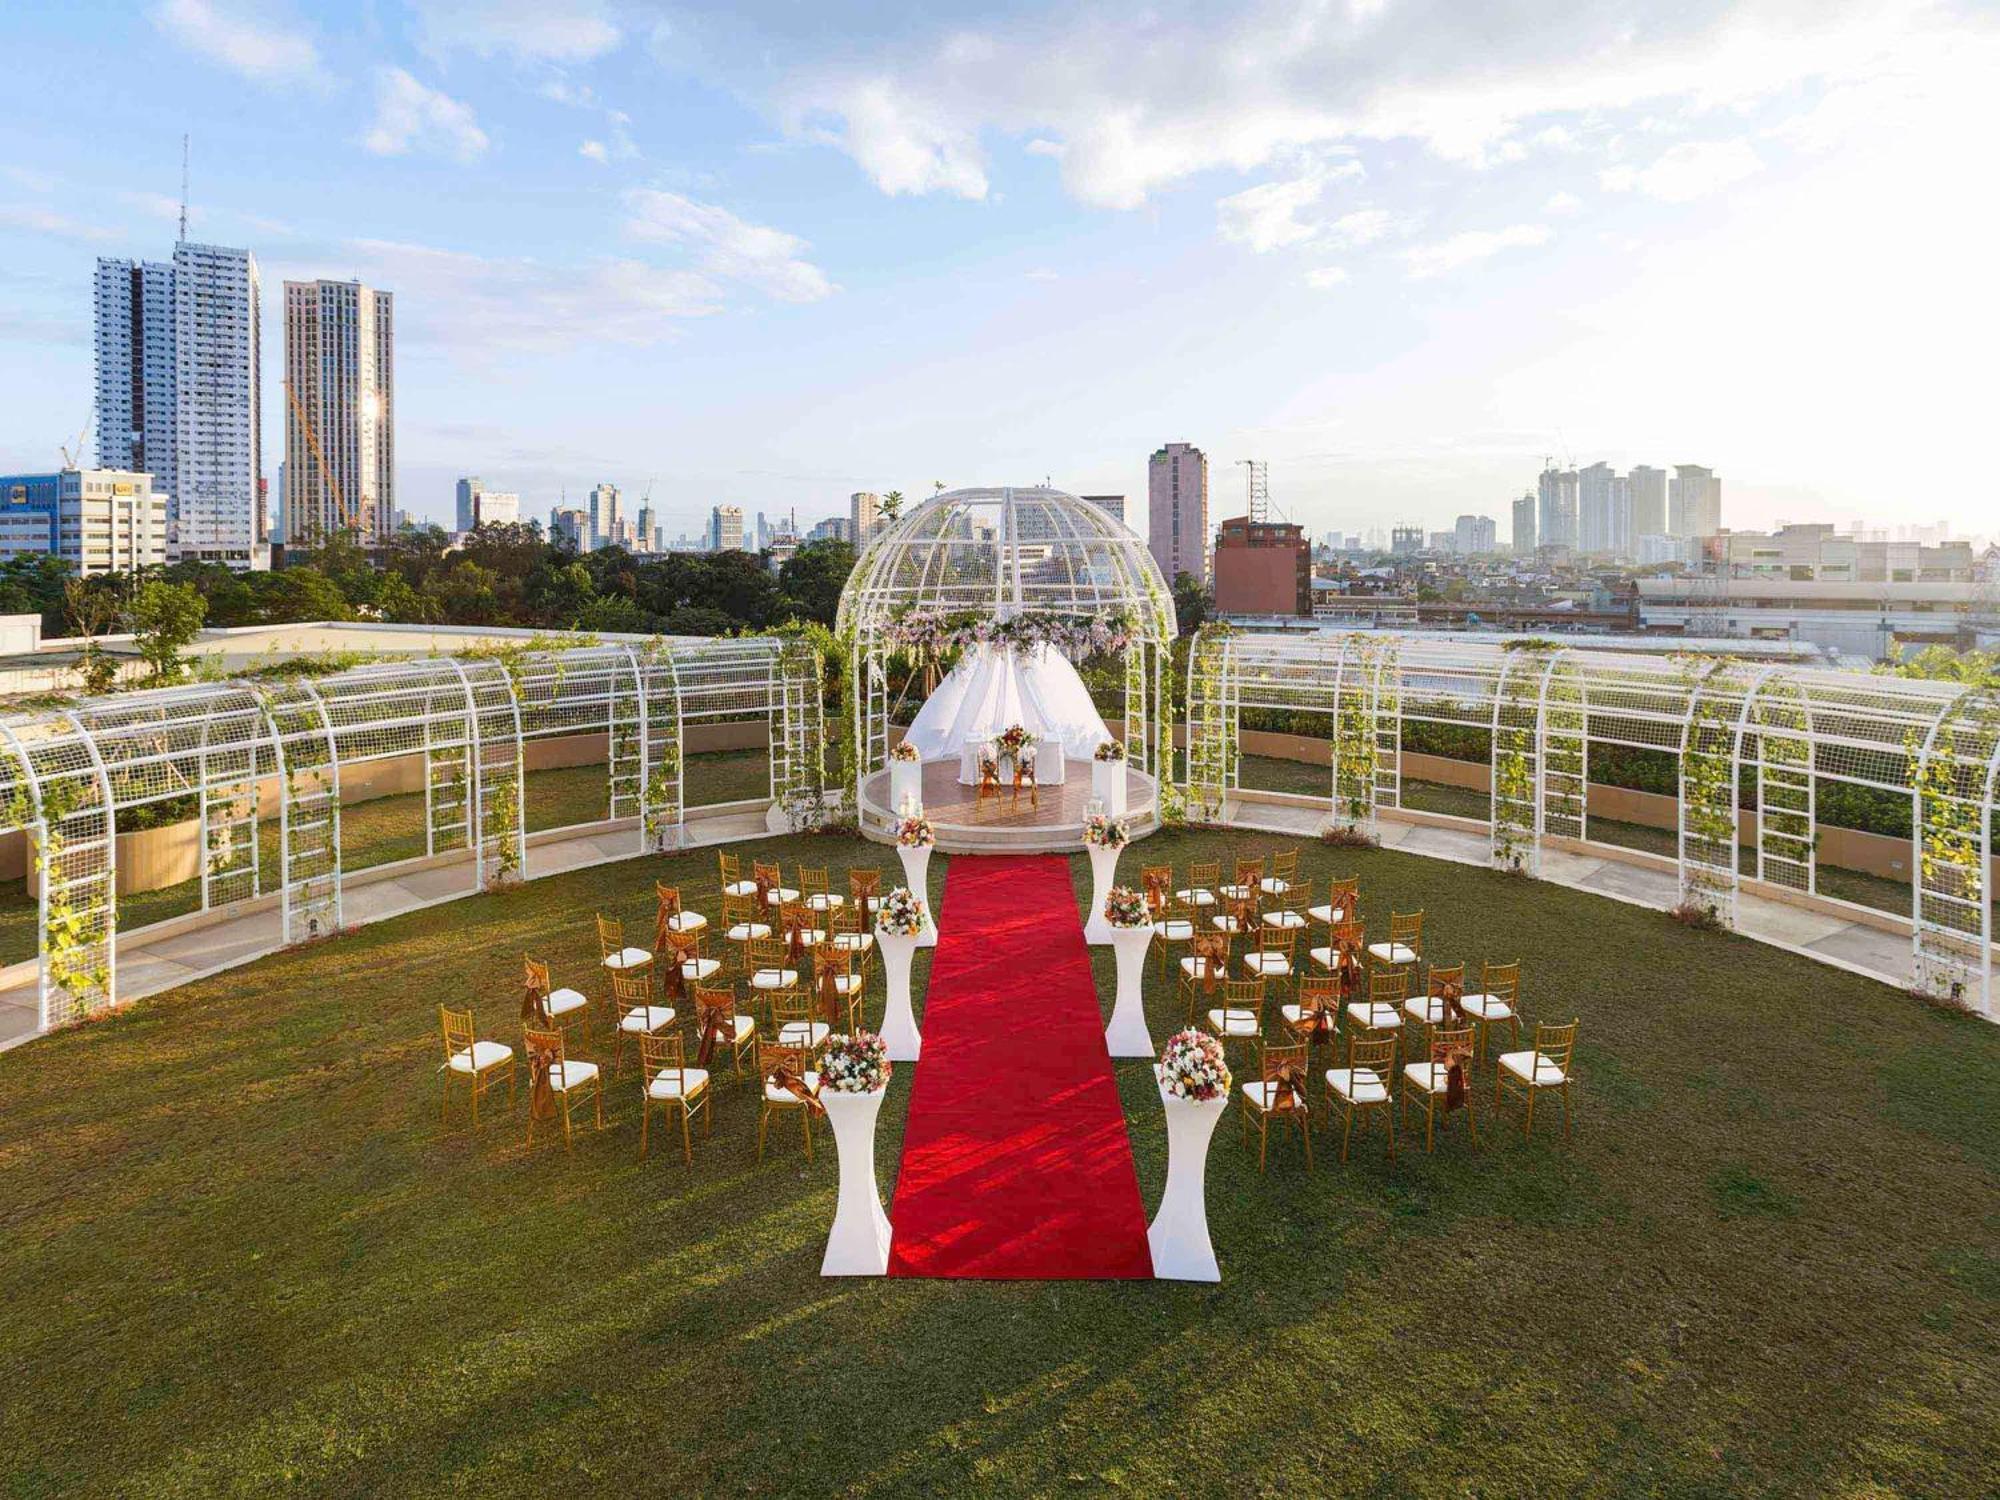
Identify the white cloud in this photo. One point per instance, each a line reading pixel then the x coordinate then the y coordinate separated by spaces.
pixel 1562 203
pixel 726 246
pixel 594 151
pixel 33 181
pixel 559 31
pixel 1043 273
pixel 1364 226
pixel 242 38
pixel 1691 170
pixel 1322 277
pixel 36 220
pixel 1424 261
pixel 1266 217
pixel 903 146
pixel 409 116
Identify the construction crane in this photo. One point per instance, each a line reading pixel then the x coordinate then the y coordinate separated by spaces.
pixel 348 520
pixel 184 192
pixel 1260 489
pixel 74 459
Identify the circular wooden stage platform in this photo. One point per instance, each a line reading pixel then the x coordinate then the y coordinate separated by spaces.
pixel 1050 820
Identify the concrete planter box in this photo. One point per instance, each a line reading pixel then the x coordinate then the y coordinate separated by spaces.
pixel 149 860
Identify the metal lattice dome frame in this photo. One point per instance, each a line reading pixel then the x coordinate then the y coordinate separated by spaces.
pixel 1002 554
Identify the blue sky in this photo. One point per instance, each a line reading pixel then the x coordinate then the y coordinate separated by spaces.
pixel 770 254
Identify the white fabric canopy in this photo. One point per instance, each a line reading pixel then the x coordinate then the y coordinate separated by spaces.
pixel 991 689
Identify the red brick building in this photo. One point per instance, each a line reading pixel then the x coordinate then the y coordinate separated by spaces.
pixel 1262 568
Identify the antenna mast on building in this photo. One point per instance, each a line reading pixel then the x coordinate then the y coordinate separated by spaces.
pixel 184 191
pixel 1260 489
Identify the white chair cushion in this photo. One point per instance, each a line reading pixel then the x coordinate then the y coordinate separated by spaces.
pixel 809 937
pixel 1426 1008
pixel 824 901
pixel 1322 958
pixel 1284 920
pixel 741 1026
pixel 1173 930
pixel 740 888
pixel 1486 1007
pixel 1358 1085
pixel 785 1096
pixel 802 1033
pixel 1431 1077
pixel 1235 892
pixel 854 942
pixel 1532 1067
pixel 1270 965
pixel 1194 968
pixel 479 1057
pixel 1327 914
pixel 1270 885
pixel 1375 1015
pixel 569 1074
pixel 628 958
pixel 1225 924
pixel 562 1002
pixel 742 932
pixel 698 969
pixel 773 979
pixel 646 1018
pixel 684 1084
pixel 1195 896
pixel 846 984
pixel 777 895
pixel 1259 1094
pixel 1234 1022
pixel 872 902
pixel 1392 953
pixel 686 921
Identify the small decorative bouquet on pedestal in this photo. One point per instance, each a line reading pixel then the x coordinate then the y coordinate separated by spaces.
pixel 903 750
pixel 1111 750
pixel 857 1064
pixel 1013 741
pixel 1101 832
pixel 915 833
pixel 901 913
pixel 1192 1067
pixel 1125 907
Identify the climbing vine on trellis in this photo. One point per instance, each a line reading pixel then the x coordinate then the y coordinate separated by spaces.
pixel 1354 735
pixel 1708 795
pixel 1212 749
pixel 1515 724
pixel 1948 782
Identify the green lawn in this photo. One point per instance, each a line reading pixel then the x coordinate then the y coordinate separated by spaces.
pixel 242 1257
pixel 382 830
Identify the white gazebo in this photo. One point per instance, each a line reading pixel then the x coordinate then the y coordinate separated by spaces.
pixel 1025 584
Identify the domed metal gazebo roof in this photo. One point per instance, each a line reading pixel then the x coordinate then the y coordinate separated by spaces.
pixel 1007 552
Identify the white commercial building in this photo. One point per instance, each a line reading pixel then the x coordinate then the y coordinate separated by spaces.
pixel 864 514
pixel 179 393
pixel 340 412
pixel 479 506
pixel 96 520
pixel 1694 502
pixel 1474 535
pixel 725 529
pixel 1854 618
pixel 1177 511
pixel 1555 508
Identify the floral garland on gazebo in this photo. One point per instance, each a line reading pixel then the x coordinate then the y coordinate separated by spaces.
pixel 936 631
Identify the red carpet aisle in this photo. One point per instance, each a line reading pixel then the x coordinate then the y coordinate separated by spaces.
pixel 1015 1157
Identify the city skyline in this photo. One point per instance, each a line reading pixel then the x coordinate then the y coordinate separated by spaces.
pixel 1400 281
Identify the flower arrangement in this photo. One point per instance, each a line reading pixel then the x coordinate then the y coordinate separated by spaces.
pixel 915 833
pixel 1013 740
pixel 901 913
pixel 1192 1067
pixel 857 1064
pixel 1111 750
pixel 1075 636
pixel 902 750
pixel 1101 832
pixel 1125 907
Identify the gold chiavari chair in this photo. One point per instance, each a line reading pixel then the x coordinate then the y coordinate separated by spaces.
pixel 819 897
pixel 989 779
pixel 1247 883
pixel 798 925
pixel 1173 922
pixel 846 930
pixel 1240 1016
pixel 1383 1009
pixel 685 965
pixel 1202 879
pixel 671 914
pixel 620 957
pixel 1024 775
pixel 1442 1081
pixel 567 1081
pixel 1284 871
pixel 769 964
pixel 1272 959
pixel 1290 912
pixel 864 891
pixel 1279 1092
pixel 1405 943
pixel 1205 968
pixel 478 1063
pixel 837 982
pixel 729 871
pixel 666 1080
pixel 1498 1001
pixel 544 1006
pixel 1351 936
pixel 1446 983
pixel 637 1014
pixel 770 883
pixel 789 1084
pixel 1343 903
pixel 1546 1066
pixel 742 925
pixel 719 1025
pixel 1362 1087
pixel 1315 1015
pixel 793 1019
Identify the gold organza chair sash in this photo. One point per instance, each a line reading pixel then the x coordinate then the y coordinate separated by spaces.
pixel 1288 1084
pixel 832 1004
pixel 788 1078
pixel 1156 894
pixel 715 1016
pixel 680 948
pixel 535 996
pixel 543 1054
pixel 670 907
pixel 1211 956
